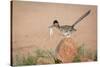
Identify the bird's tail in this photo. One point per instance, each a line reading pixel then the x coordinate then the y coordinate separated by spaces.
pixel 83 16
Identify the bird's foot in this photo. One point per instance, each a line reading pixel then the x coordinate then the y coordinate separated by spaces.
pixel 67 36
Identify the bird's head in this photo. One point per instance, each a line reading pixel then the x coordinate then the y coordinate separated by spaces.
pixel 55 23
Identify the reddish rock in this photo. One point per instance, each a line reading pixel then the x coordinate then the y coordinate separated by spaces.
pixel 66 50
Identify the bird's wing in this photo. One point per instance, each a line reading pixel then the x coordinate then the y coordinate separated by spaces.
pixel 64 28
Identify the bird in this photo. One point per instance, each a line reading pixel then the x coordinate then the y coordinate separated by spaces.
pixel 67 30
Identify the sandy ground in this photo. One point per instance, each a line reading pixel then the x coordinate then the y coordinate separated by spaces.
pixel 31 21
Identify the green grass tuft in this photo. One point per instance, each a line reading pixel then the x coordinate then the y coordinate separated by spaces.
pixel 50 54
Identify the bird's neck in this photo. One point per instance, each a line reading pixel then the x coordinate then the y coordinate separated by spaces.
pixel 58 26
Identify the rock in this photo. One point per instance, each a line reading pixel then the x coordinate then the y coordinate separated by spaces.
pixel 66 50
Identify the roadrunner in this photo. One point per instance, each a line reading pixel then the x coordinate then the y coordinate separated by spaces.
pixel 67 30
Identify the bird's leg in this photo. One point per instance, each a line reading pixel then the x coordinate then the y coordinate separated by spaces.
pixel 68 36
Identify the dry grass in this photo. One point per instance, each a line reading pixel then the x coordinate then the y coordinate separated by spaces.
pixel 49 57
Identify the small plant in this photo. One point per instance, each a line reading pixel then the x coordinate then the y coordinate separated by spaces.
pixel 54 57
pixel 77 59
pixel 49 56
pixel 84 54
pixel 33 60
pixel 30 60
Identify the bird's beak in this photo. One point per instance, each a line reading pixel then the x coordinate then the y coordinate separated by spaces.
pixel 51 30
pixel 51 26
